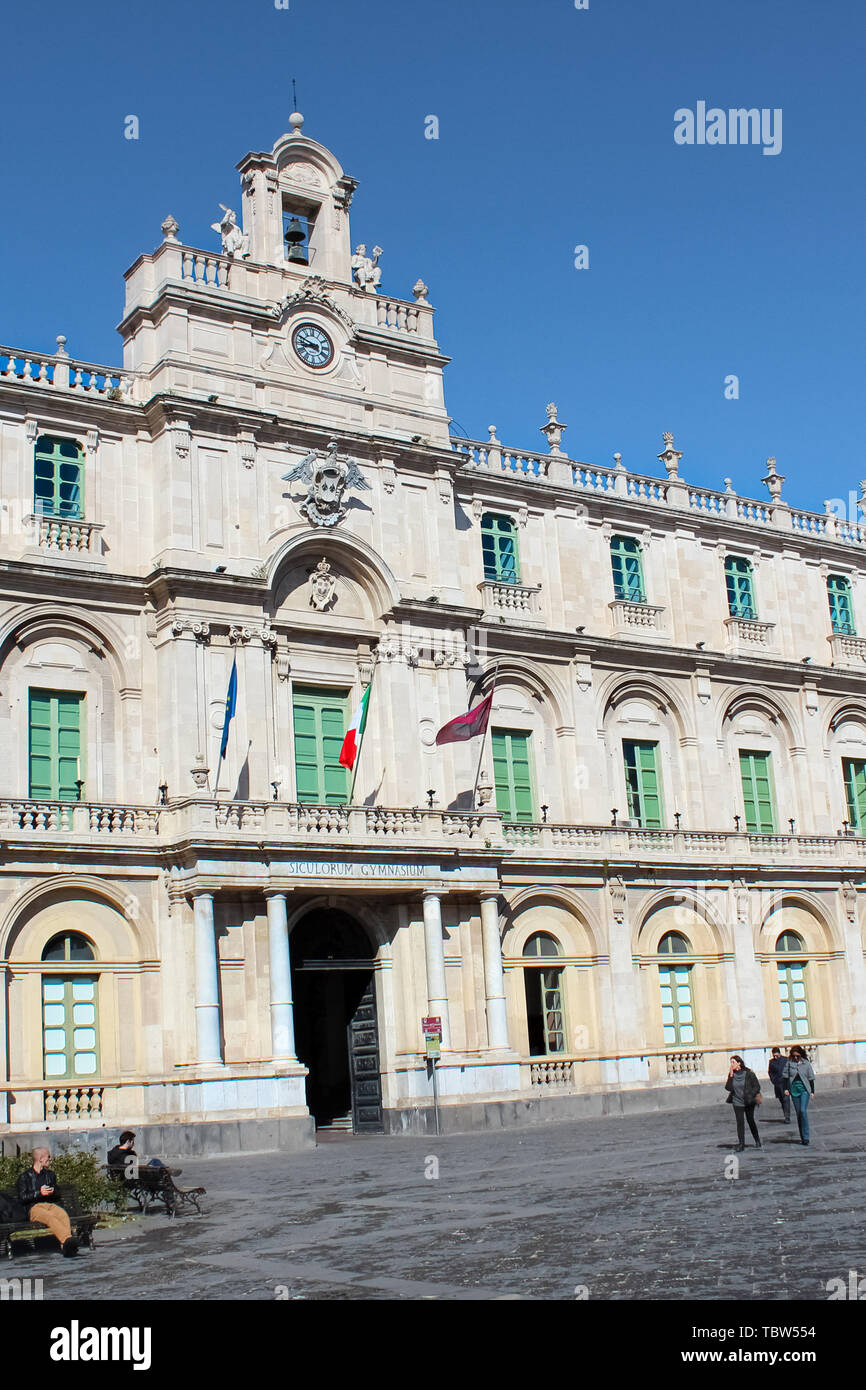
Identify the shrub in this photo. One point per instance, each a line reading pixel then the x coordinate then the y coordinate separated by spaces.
pixel 78 1167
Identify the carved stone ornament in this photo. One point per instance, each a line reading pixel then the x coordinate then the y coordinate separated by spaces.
pixel 200 631
pixel 239 635
pixel 617 899
pixel 849 898
pixel 200 772
pixel 328 478
pixel 323 587
pixel 670 456
pixel 248 450
pixel 170 228
pixel 301 172
pixel 421 291
pixel 180 430
pixel 314 290
pixel 366 271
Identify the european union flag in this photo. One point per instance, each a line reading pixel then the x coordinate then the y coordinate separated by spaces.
pixel 231 702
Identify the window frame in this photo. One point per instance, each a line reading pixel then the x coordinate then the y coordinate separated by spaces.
pixel 56 506
pixel 510 813
pixel 536 970
pixel 839 588
pixel 737 582
pixel 758 827
pixel 319 698
pixel 492 548
pixel 627 588
pixel 635 792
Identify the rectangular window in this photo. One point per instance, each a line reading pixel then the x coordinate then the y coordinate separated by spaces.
pixel 741 594
pixel 544 1014
pixel 854 772
pixel 792 999
pixel 55 750
pixel 841 607
pixel 512 773
pixel 758 799
pixel 499 549
pixel 319 729
pixel 643 784
pixel 627 569
pixel 58 482
pixel 69 1027
pixel 678 1010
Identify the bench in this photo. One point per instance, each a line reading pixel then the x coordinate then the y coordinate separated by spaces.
pixel 158 1185
pixel 82 1222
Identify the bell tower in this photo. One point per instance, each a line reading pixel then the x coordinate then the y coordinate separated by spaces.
pixel 295 207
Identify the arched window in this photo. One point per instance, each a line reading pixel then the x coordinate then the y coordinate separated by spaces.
pixel 70 1037
pixel 741 593
pixel 58 478
pixel 677 996
pixel 841 606
pixel 793 998
pixel 499 548
pixel 627 569
pixel 543 985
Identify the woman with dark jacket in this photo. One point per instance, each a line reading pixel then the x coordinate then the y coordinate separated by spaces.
pixel 744 1090
pixel 799 1080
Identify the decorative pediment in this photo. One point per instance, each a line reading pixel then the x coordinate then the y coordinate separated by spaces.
pixel 314 293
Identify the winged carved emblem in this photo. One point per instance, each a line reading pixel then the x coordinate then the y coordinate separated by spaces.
pixel 328 479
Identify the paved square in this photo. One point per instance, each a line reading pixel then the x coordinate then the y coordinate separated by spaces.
pixel 629 1208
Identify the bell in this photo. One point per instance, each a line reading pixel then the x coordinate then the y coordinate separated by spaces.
pixel 294 238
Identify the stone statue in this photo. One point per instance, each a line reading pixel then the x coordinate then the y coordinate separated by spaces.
pixel 235 242
pixel 365 269
pixel 327 479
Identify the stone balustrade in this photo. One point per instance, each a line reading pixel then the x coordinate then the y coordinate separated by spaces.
pixel 684 1063
pixel 191 818
pixel 665 492
pixel 847 650
pixel 636 619
pixel 552 1073
pixel 66 536
pixel 510 600
pixel 61 373
pixel 73 1103
pixel 748 635
pixel 204 268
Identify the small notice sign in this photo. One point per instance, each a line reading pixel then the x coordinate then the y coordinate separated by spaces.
pixel 432 1045
pixel 431 1027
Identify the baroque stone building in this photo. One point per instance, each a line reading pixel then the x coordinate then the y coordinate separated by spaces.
pixel 663 859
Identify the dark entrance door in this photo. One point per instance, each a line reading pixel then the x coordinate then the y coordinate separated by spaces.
pixel 335 1021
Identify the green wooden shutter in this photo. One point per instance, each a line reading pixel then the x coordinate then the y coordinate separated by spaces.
pixel 854 773
pixel 56 760
pixel 499 548
pixel 320 727
pixel 756 774
pixel 643 784
pixel 58 477
pixel 793 999
pixel 841 607
pixel 512 774
pixel 741 595
pixel 627 569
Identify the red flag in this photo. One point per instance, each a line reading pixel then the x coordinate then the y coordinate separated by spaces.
pixel 466 726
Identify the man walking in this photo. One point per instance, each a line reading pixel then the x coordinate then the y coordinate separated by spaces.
pixel 37 1191
pixel 777 1081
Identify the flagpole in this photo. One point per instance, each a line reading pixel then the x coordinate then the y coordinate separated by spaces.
pixel 483 740
pixel 363 732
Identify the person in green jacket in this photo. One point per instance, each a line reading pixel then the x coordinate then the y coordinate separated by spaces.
pixel 799 1081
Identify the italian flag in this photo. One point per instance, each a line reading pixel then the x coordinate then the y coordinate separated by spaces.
pixel 354 733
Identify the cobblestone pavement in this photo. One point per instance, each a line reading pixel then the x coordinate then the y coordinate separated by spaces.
pixel 629 1208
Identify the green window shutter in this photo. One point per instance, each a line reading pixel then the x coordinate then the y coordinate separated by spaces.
pixel 678 1007
pixel 499 548
pixel 757 779
pixel 512 774
pixel 643 784
pixel 627 569
pixel 319 729
pixel 70 1030
pixel 841 606
pixel 741 594
pixel 58 478
pixel 793 999
pixel 854 773
pixel 56 760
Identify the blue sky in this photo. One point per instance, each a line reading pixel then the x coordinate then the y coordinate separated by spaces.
pixel 555 130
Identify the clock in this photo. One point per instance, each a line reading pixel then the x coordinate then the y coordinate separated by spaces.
pixel 312 345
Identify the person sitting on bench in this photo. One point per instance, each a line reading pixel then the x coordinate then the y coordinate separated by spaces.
pixel 119 1165
pixel 37 1192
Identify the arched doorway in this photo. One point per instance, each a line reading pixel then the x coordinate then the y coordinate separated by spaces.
pixel 336 1029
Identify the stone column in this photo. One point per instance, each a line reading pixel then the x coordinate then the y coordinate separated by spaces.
pixel 207 1005
pixel 282 1012
pixel 494 984
pixel 434 954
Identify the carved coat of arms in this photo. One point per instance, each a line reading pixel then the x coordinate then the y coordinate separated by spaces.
pixel 328 479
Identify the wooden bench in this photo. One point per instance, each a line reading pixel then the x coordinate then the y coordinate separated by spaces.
pixel 82 1222
pixel 154 1184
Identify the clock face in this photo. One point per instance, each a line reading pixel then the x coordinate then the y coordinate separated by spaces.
pixel 312 345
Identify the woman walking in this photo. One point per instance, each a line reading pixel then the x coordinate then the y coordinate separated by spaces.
pixel 800 1086
pixel 744 1093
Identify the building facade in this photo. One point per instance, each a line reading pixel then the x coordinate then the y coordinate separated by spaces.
pixel 655 855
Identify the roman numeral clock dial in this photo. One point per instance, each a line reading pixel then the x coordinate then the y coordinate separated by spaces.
pixel 312 345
